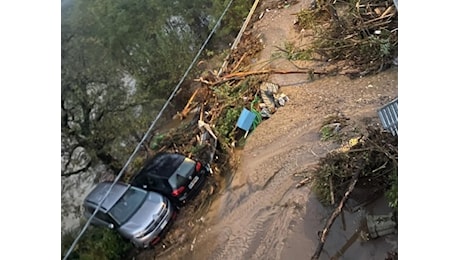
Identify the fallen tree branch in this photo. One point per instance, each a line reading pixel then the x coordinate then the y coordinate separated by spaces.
pixel 187 108
pixel 304 181
pixel 238 37
pixel 241 75
pixel 239 62
pixel 334 215
pixel 259 72
pixel 332 191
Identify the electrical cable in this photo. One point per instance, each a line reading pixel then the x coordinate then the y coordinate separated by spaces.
pixel 85 227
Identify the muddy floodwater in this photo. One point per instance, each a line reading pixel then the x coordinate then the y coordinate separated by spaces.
pixel 260 214
pixel 256 211
pixel 268 218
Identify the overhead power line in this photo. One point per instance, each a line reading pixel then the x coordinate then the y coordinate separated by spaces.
pixel 139 145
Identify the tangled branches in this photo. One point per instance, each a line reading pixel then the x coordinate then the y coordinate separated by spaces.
pixel 364 33
pixel 374 156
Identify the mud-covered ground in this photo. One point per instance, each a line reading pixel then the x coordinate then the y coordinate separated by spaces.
pixel 257 212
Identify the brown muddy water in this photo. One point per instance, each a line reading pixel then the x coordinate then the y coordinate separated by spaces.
pixel 257 212
pixel 261 215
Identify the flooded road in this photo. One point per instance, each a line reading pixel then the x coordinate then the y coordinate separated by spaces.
pixel 263 216
pixel 258 210
pixel 260 214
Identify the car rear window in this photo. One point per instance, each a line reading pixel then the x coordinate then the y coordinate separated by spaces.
pixel 163 165
pixel 180 176
pixel 127 205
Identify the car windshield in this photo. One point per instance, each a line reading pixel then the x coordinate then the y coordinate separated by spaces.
pixel 127 205
pixel 180 176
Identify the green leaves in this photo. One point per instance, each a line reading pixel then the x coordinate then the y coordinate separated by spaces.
pixel 150 41
pixel 392 192
pixel 96 243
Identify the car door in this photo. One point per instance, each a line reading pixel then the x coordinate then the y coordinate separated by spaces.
pixel 100 219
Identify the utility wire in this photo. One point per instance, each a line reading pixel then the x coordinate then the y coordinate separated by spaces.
pixel 148 131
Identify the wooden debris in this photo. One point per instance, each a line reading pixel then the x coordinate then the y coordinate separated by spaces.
pixel 364 33
pixel 202 124
pixel 242 75
pixel 331 187
pixel 238 37
pixel 333 216
pixel 304 181
pixel 239 62
pixel 187 107
pixel 375 153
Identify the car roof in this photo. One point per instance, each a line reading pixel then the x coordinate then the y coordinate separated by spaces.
pixel 98 193
pixel 162 165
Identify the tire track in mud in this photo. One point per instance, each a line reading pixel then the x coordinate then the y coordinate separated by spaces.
pixel 255 218
pixel 269 243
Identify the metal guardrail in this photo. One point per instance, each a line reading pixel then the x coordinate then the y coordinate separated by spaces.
pixel 388 115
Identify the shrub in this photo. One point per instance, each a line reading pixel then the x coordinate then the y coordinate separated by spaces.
pixel 96 243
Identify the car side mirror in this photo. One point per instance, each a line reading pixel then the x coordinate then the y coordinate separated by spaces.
pixel 111 226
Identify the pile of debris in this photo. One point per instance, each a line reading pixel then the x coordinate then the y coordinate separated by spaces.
pixel 355 175
pixel 362 35
pixel 213 115
pixel 374 156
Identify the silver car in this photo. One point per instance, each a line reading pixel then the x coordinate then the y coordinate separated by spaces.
pixel 138 215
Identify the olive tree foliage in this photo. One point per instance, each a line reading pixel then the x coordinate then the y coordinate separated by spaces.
pixel 95 103
pixel 120 60
pixel 105 45
pixel 234 18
